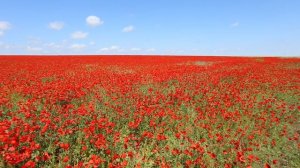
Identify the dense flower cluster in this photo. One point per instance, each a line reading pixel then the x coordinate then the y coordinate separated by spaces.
pixel 87 111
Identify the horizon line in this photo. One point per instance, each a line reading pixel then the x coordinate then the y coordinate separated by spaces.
pixel 159 55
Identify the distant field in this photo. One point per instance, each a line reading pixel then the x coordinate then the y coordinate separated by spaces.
pixel 149 111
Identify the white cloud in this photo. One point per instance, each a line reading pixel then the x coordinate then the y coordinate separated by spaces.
pixel 136 49
pixel 127 29
pixel 77 46
pixel 111 48
pixel 235 24
pixel 151 49
pixel 56 25
pixel 56 47
pixel 92 43
pixel 4 25
pixel 53 45
pixel 33 49
pixel 5 46
pixel 104 49
pixel 34 41
pixel 94 21
pixel 79 35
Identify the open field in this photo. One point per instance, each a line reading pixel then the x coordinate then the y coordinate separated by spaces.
pixel 148 111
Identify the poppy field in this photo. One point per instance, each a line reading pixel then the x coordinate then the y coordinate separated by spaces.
pixel 149 111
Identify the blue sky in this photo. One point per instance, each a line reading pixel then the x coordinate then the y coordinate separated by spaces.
pixel 192 27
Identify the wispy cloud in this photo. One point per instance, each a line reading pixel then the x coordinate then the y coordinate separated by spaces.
pixel 79 35
pixel 77 46
pixel 94 21
pixel 56 25
pixel 235 24
pixel 5 46
pixel 151 49
pixel 111 48
pixel 4 25
pixel 53 45
pixel 136 49
pixel 128 29
pixel 33 49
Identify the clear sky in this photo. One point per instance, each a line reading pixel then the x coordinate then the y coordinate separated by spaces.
pixel 193 27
